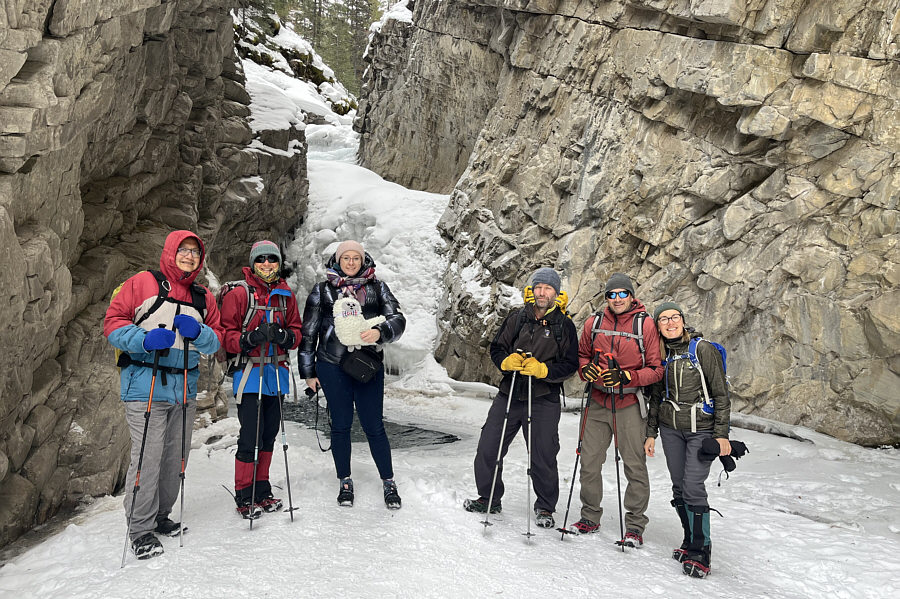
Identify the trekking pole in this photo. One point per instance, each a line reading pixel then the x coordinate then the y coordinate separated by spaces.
pixel 137 476
pixel 528 509
pixel 284 444
pixel 487 511
pixel 584 412
pixel 183 437
pixel 253 510
pixel 613 364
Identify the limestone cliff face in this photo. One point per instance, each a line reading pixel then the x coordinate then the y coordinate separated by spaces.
pixel 119 122
pixel 739 157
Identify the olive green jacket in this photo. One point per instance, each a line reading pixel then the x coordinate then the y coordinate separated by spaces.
pixel 685 391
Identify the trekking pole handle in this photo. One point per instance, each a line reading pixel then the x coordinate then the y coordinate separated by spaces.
pixel 611 361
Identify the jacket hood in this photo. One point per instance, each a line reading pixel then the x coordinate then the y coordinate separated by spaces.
pixel 167 259
pixel 333 263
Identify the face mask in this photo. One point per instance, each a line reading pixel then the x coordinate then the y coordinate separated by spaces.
pixel 268 278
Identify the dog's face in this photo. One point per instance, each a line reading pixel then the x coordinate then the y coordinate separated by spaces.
pixel 347 307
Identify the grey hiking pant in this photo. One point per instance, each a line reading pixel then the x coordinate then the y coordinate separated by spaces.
pixel 161 466
pixel 688 471
pixel 598 434
pixel 545 447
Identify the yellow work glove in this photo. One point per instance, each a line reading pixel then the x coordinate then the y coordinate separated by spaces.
pixel 531 367
pixel 612 377
pixel 562 300
pixel 528 295
pixel 512 362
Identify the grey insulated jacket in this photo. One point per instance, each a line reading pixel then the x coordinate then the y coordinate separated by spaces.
pixel 320 340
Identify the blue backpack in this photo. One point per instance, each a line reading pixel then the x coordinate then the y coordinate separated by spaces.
pixel 707 405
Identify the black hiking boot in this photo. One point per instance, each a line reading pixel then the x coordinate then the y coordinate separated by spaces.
pixel 247 509
pixel 544 518
pixel 345 495
pixel 680 553
pixel 146 546
pixel 168 528
pixel 480 506
pixel 391 497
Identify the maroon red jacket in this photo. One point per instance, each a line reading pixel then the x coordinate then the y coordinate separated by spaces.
pixel 234 307
pixel 625 350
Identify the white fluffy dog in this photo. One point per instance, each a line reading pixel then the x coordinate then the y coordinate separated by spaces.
pixel 349 322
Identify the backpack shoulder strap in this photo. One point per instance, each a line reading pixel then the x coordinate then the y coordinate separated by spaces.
pixel 198 299
pixel 161 296
pixel 638 328
pixel 595 327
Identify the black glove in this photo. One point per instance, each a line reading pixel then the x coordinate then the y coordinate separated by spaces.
pixel 281 337
pixel 709 451
pixel 253 339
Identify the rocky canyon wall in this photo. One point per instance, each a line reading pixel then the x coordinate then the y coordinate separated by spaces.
pixel 737 156
pixel 119 122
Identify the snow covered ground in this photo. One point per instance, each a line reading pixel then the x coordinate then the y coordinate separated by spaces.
pixel 803 517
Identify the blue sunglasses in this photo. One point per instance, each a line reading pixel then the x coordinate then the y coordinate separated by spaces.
pixel 619 294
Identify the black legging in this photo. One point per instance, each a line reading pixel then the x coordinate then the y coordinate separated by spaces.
pixel 271 421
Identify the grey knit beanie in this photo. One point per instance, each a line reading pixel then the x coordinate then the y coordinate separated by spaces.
pixel 547 276
pixel 667 306
pixel 619 281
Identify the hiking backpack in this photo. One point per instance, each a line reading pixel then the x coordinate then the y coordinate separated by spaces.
pixel 198 302
pixel 232 362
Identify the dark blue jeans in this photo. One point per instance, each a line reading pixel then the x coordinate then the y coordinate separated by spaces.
pixel 342 392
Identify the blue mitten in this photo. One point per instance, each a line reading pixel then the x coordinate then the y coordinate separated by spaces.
pixel 158 339
pixel 187 326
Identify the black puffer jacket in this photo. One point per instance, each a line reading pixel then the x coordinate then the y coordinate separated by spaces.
pixel 685 390
pixel 320 341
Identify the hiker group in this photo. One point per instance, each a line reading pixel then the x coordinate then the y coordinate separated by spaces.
pixel 646 377
pixel 161 321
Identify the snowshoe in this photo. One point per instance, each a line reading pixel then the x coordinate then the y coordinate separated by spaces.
pixel 146 546
pixel 168 528
pixel 345 495
pixel 270 504
pixel 391 497
pixel 544 518
pixel 585 526
pixel 480 506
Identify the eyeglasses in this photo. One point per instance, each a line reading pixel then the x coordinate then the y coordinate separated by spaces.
pixel 351 259
pixel 675 318
pixel 267 258
pixel 195 252
pixel 619 294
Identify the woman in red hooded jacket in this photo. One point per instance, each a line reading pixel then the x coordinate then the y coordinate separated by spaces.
pixel 273 328
pixel 160 319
